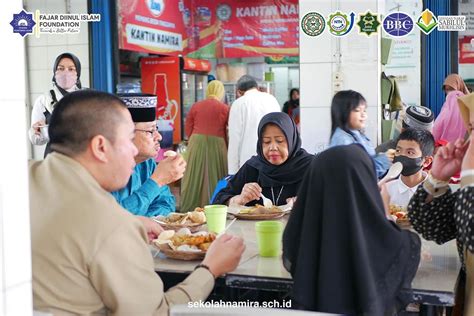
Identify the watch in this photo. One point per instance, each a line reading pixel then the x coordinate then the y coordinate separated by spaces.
pixel 205 266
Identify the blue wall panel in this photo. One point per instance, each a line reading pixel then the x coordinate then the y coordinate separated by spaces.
pixel 102 46
pixel 436 58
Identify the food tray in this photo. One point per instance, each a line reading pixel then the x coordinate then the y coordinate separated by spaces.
pixel 193 227
pixel 259 216
pixel 180 255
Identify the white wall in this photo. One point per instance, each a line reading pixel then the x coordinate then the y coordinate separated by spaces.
pixel 15 249
pixel 42 51
pixel 319 62
pixel 405 62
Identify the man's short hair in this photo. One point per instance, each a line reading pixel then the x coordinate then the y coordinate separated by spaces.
pixel 246 82
pixel 81 115
pixel 422 137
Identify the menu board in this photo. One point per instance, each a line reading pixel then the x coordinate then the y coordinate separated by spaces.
pixel 258 28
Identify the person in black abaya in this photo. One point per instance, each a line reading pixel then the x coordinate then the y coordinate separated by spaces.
pixel 277 169
pixel 343 254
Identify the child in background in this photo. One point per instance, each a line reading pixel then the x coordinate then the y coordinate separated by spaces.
pixel 415 151
pixel 348 115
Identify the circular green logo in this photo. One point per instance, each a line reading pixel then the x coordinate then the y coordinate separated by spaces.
pixel 313 24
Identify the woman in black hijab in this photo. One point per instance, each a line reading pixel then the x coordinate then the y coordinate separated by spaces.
pixel 276 171
pixel 344 255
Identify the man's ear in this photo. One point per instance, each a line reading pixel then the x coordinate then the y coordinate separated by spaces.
pixel 100 146
pixel 428 160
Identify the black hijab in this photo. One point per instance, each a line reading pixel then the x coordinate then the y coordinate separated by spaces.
pixel 344 255
pixel 293 168
pixel 76 62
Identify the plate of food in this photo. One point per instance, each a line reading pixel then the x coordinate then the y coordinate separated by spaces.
pixel 400 215
pixel 258 212
pixel 193 220
pixel 184 245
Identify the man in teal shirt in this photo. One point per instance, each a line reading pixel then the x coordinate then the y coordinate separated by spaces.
pixel 147 192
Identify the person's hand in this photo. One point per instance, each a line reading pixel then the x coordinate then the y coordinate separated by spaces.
pixel 224 254
pixel 390 154
pixel 447 161
pixel 251 191
pixel 36 127
pixel 153 229
pixel 169 170
pixel 291 200
pixel 468 161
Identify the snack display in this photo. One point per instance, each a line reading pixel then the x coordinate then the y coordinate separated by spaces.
pixel 193 220
pixel 183 245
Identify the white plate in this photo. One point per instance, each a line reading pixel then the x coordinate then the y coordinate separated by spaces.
pixel 235 209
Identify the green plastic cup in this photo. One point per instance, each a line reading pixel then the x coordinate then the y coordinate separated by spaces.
pixel 216 216
pixel 269 234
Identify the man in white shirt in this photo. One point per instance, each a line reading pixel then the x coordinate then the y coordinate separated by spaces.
pixel 245 114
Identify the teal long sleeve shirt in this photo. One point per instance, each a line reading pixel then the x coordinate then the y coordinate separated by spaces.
pixel 143 196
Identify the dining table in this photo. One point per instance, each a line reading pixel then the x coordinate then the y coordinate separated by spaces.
pixel 432 288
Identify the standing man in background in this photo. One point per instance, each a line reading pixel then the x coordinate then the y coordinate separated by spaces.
pixel 245 115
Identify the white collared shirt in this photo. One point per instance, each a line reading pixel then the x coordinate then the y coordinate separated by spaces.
pixel 245 115
pixel 400 194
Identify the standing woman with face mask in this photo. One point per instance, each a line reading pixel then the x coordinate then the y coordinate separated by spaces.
pixel 66 78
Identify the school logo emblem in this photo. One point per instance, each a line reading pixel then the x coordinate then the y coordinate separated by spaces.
pixel 23 23
pixel 368 23
pixel 156 7
pixel 427 22
pixel 313 24
pixel 223 12
pixel 398 24
pixel 339 24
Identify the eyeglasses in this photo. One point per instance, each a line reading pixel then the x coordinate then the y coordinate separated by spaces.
pixel 149 132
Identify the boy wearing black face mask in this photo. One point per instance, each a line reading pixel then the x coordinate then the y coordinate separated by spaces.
pixel 414 150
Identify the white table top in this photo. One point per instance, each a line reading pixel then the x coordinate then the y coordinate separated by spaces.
pixel 438 268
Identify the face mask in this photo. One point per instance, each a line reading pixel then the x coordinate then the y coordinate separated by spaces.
pixel 66 79
pixel 410 165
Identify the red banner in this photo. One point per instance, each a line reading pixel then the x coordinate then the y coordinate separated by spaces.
pixel 257 28
pixel 154 26
pixel 205 29
pixel 466 50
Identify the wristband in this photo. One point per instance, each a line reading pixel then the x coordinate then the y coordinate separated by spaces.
pixel 435 187
pixel 205 266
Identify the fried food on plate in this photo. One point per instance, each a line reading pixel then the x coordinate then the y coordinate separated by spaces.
pixel 260 209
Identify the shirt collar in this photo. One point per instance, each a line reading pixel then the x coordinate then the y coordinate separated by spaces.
pixel 402 187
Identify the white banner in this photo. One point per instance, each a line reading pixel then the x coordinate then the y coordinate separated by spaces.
pixel 145 36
